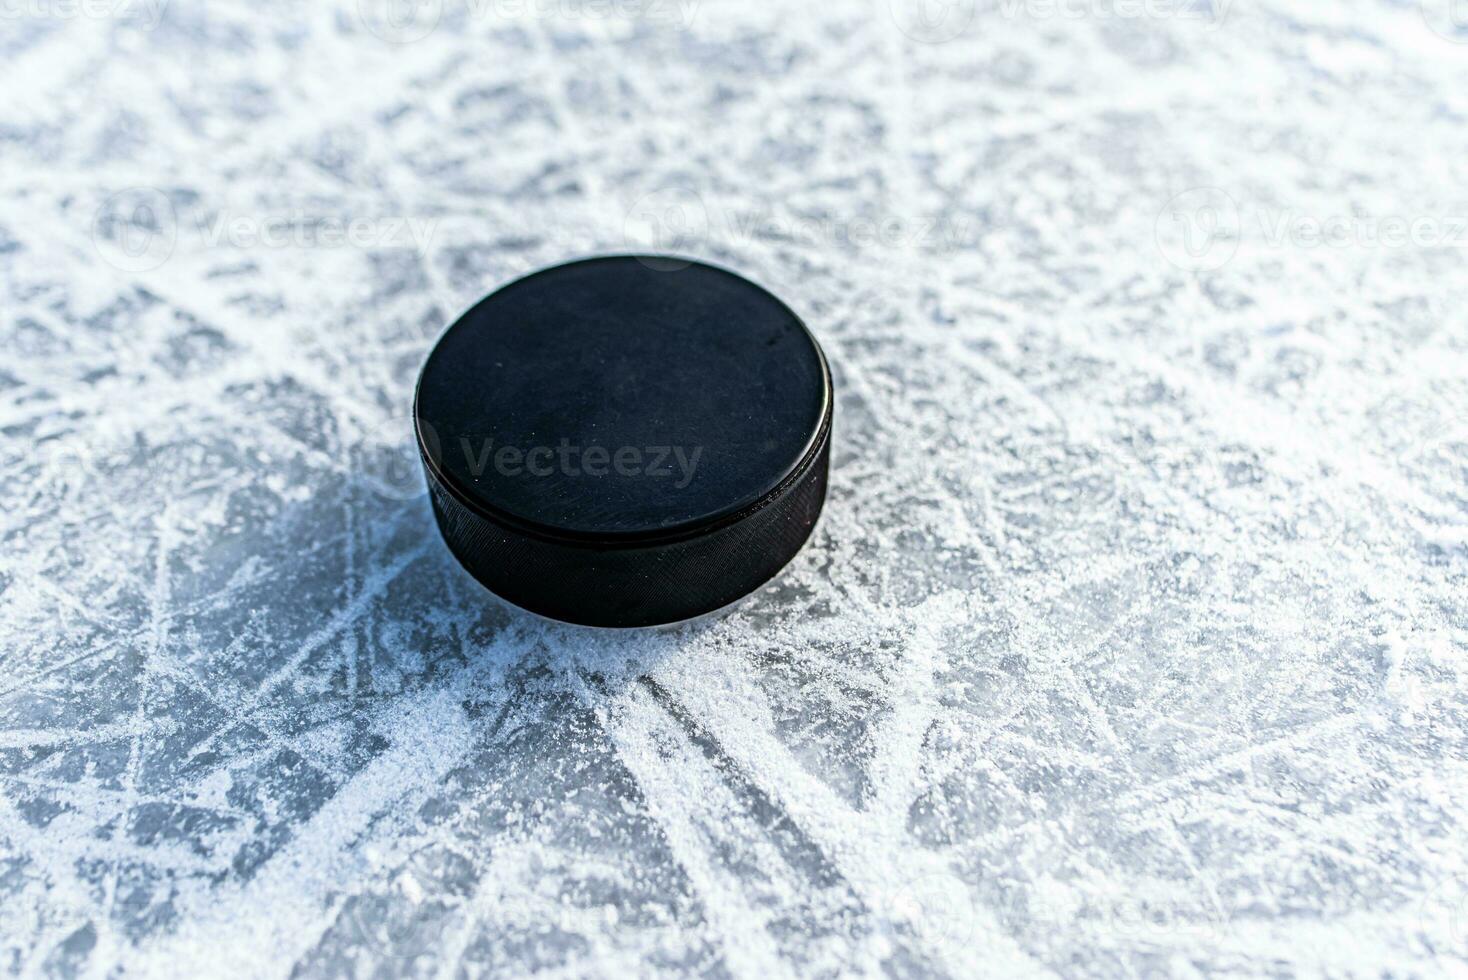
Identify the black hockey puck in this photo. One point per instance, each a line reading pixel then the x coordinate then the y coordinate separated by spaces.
pixel 626 441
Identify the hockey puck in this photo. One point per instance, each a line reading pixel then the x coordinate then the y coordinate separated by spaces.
pixel 624 441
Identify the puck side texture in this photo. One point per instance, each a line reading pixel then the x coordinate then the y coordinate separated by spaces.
pixel 614 444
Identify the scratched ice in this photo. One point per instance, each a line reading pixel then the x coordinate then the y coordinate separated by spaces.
pixel 1131 639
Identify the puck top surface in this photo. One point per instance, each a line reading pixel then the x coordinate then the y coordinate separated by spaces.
pixel 609 398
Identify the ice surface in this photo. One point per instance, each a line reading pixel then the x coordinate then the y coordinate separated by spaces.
pixel 1131 640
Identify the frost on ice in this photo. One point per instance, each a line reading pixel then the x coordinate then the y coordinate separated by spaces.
pixel 1131 638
